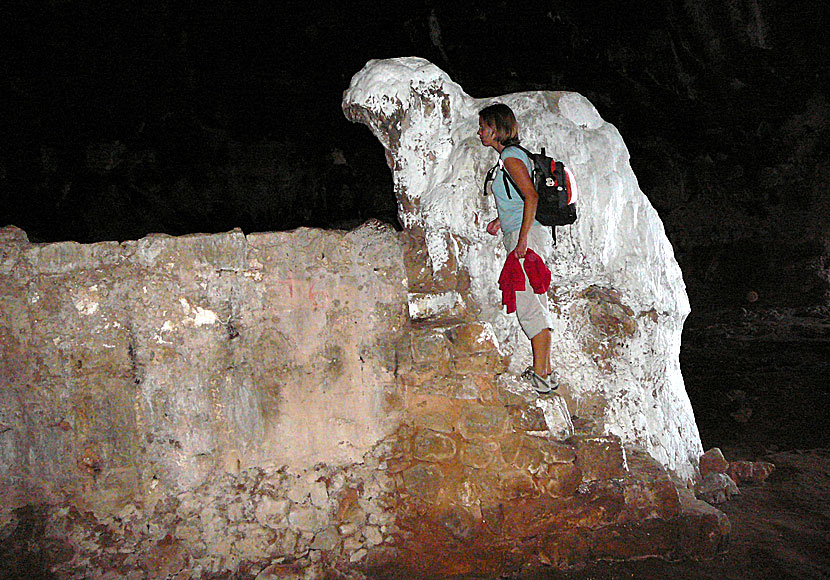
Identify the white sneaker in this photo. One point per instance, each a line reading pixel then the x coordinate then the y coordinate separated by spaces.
pixel 541 385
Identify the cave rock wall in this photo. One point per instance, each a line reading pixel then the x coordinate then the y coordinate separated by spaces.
pixel 617 292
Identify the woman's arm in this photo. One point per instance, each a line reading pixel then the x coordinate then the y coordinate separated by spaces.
pixel 518 171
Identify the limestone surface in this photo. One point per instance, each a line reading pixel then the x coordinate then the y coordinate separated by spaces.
pixel 618 294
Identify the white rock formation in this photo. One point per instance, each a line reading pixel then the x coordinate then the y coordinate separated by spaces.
pixel 619 295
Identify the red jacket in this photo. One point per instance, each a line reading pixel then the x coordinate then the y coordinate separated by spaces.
pixel 512 278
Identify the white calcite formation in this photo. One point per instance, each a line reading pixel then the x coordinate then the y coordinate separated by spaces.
pixel 618 295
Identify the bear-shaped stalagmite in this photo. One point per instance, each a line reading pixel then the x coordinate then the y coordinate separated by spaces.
pixel 496 480
pixel 618 293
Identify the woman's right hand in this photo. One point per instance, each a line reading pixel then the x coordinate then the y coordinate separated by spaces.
pixel 494 226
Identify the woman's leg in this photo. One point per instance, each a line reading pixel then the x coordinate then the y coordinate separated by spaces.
pixel 540 344
pixel 532 309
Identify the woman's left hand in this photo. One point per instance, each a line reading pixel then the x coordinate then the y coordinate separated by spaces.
pixel 521 247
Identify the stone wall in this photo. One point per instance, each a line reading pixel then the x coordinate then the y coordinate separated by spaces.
pixel 263 405
pixel 164 360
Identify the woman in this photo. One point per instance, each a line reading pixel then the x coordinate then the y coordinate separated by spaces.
pixel 497 128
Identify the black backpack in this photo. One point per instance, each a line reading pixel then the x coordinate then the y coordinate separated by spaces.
pixel 557 193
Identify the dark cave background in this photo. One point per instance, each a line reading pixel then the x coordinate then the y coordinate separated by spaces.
pixel 121 119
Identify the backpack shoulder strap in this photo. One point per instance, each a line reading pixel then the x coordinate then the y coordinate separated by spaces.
pixel 506 175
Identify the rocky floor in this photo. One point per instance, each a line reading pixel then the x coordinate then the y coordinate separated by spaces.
pixel 759 381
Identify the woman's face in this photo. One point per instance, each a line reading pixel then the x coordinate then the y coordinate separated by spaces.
pixel 485 134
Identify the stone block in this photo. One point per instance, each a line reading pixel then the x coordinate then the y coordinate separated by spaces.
pixel 557 451
pixel 597 504
pixel 600 457
pixel 482 422
pixel 484 363
pixel 473 337
pixel 516 484
pixel 461 387
pixel 373 535
pixel 638 539
pixel 436 421
pixel 566 549
pixel 447 307
pixel 430 347
pixel 430 267
pixel 271 512
pixel 478 454
pixel 326 540
pixel 649 489
pixel 459 522
pixel 417 263
pixel 348 511
pixel 309 520
pixel 557 417
pixel 529 457
pixel 432 446
pixel 559 479
pixel 423 481
pixel 527 417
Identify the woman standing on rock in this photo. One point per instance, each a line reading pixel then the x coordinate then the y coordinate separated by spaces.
pixel 497 128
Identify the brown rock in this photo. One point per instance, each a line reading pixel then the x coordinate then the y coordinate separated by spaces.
pixel 599 457
pixel 417 263
pixel 420 269
pixel 483 422
pixel 649 490
pixel 433 446
pixel 527 418
pixel 165 558
pixel 716 488
pixel 282 572
pixel 423 481
pixel 430 347
pixel 529 457
pixel 704 530
pixel 459 522
pixel 517 484
pixel 598 504
pixel 90 462
pixel 560 479
pixel 473 337
pixel 653 537
pixel 478 454
pixel 713 461
pixel 752 471
pixel 510 446
pixel 490 363
pixel 462 387
pixel 566 549
pixel 442 422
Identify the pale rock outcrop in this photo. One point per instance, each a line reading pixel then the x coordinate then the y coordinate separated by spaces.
pixel 164 360
pixel 618 293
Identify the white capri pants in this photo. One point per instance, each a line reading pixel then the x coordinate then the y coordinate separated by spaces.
pixel 531 308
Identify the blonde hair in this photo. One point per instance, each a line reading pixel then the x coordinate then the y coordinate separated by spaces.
pixel 501 119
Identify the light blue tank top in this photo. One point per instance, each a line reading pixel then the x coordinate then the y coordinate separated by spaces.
pixel 510 209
